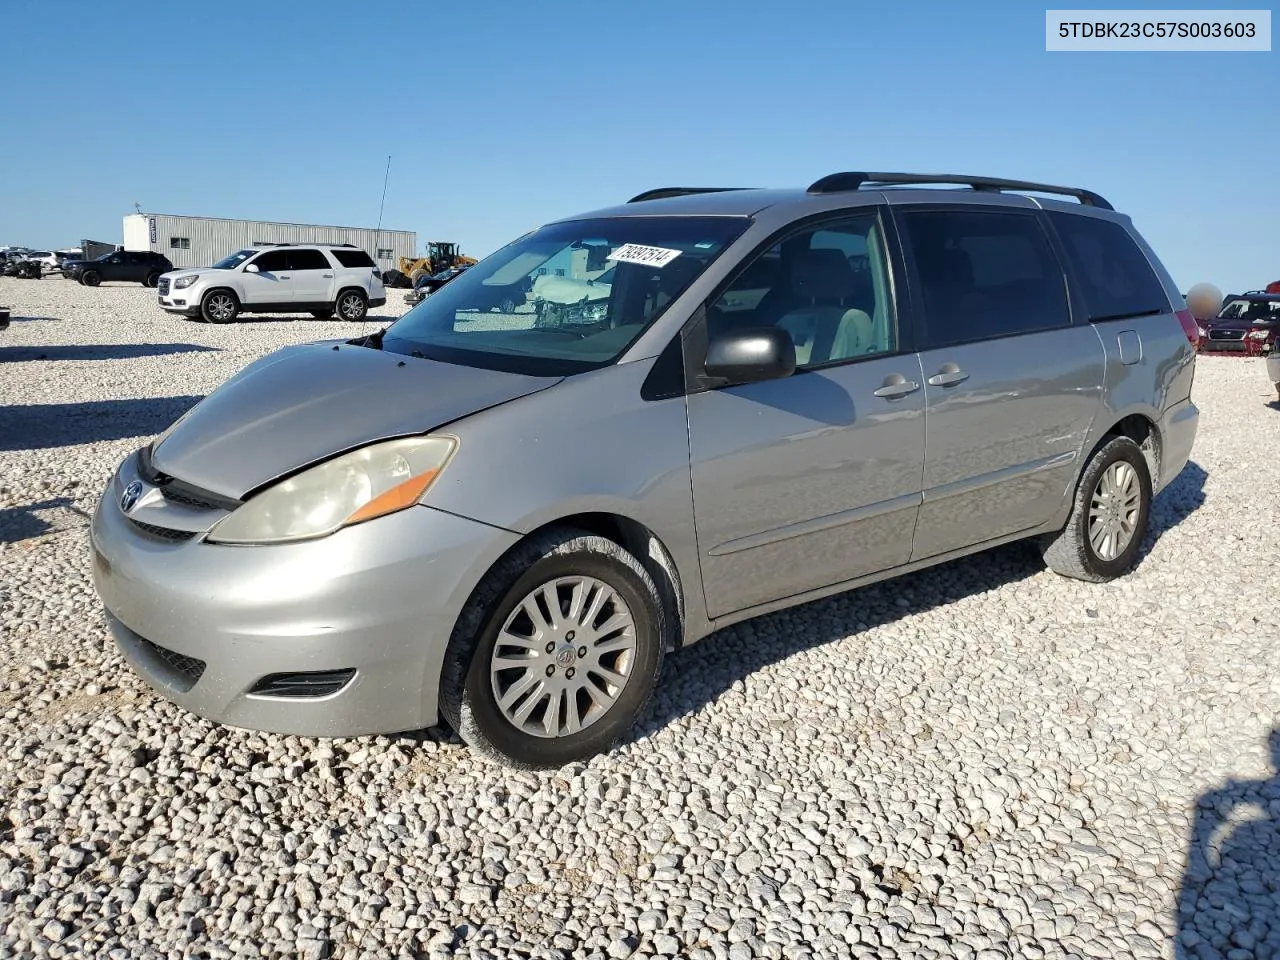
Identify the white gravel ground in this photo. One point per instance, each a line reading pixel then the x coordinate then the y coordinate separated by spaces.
pixel 980 761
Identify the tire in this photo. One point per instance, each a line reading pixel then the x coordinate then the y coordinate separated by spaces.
pixel 219 306
pixel 416 275
pixel 91 278
pixel 152 279
pixel 468 697
pixel 1072 552
pixel 322 314
pixel 351 305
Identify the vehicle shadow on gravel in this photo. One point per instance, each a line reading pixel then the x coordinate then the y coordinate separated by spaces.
pixel 22 523
pixel 48 425
pixel 100 351
pixel 1229 901
pixel 699 675
pixel 1181 498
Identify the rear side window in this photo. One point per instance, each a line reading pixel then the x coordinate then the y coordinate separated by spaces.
pixel 353 258
pixel 308 260
pixel 1114 275
pixel 985 274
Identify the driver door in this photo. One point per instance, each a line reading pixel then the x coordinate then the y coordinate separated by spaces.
pixel 813 479
pixel 272 285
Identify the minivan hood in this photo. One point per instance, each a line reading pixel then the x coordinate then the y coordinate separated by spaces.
pixel 303 404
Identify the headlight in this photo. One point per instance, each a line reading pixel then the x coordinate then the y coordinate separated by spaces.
pixel 1201 332
pixel 1259 334
pixel 357 486
pixel 183 282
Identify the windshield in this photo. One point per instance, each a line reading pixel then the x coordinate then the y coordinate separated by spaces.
pixel 538 305
pixel 234 260
pixel 1251 310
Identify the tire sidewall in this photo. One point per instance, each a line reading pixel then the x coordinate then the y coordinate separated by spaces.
pixel 478 694
pixel 1115 451
pixel 152 280
pixel 91 278
pixel 209 317
pixel 364 305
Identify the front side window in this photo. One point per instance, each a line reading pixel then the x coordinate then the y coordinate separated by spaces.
pixel 512 311
pixel 308 260
pixel 1114 274
pixel 275 261
pixel 985 274
pixel 828 287
pixel 234 260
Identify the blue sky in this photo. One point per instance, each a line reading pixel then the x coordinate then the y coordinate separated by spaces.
pixel 499 116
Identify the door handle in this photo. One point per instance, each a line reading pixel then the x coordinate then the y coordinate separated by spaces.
pixel 949 376
pixel 328 276
pixel 896 386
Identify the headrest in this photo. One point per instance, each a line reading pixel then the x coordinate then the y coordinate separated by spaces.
pixel 822 275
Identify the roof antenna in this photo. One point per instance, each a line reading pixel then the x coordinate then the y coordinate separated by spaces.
pixel 378 232
pixel 137 206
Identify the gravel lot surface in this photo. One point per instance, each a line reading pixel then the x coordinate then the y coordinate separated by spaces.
pixel 981 761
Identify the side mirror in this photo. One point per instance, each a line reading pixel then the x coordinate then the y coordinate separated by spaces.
pixel 251 268
pixel 748 356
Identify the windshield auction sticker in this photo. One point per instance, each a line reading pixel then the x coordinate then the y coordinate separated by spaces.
pixel 646 256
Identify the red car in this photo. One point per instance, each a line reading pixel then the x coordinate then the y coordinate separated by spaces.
pixel 1248 324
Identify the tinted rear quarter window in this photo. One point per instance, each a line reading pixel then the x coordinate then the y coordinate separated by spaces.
pixel 353 258
pixel 985 274
pixel 308 260
pixel 1114 275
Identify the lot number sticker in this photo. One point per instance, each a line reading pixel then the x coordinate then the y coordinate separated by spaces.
pixel 646 256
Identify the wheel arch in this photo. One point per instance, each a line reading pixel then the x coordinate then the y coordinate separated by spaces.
pixel 638 540
pixel 1140 427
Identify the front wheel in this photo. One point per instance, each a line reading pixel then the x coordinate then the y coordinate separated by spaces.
pixel 556 653
pixel 91 278
pixel 1108 519
pixel 219 306
pixel 351 305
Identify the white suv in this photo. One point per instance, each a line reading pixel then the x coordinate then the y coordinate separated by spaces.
pixel 321 279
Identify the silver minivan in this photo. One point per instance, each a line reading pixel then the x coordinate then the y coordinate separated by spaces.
pixel 502 512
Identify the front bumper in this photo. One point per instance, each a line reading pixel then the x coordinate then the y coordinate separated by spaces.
pixel 178 302
pixel 379 598
pixel 378 302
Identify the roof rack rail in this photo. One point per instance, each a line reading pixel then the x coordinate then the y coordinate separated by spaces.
pixel 843 182
pixel 661 193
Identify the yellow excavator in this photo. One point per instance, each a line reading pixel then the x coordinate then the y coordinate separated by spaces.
pixel 440 256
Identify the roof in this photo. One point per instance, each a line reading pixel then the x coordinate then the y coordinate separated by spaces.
pixel 872 187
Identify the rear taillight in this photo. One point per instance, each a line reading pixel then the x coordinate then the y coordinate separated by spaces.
pixel 1189 326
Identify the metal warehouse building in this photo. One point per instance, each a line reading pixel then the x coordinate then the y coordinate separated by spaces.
pixel 200 241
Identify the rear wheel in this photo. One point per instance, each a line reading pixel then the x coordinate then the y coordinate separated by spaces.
pixel 219 306
pixel 351 305
pixel 556 653
pixel 152 279
pixel 91 278
pixel 1109 517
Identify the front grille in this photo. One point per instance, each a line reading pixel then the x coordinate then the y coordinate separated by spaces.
pixel 162 533
pixel 175 491
pixel 1226 334
pixel 315 684
pixel 185 671
pixel 164 286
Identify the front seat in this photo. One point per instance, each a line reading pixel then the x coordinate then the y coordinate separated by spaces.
pixel 823 285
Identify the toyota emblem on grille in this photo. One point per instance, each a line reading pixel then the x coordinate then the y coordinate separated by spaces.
pixel 130 496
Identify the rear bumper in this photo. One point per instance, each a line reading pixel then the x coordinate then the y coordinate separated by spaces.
pixel 1273 366
pixel 1178 429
